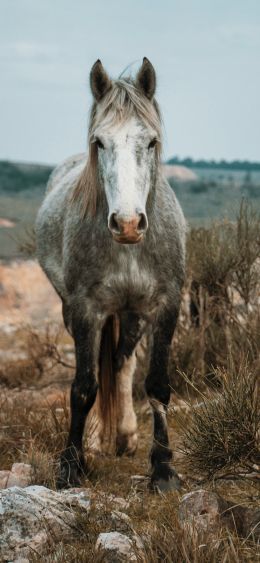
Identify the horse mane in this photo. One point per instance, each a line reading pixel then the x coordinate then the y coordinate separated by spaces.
pixel 123 101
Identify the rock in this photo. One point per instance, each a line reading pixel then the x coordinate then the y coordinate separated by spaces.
pixel 121 517
pixel 206 511
pixel 4 476
pixel 247 522
pixel 120 522
pixel 33 517
pixel 20 476
pixel 117 547
pixel 202 509
pixel 103 499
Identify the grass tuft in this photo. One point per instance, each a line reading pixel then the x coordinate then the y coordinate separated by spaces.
pixel 223 432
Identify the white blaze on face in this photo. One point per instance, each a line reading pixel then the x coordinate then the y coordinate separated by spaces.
pixel 126 165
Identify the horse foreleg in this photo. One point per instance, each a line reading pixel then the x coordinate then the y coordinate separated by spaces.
pixel 158 390
pixel 83 395
pixel 94 430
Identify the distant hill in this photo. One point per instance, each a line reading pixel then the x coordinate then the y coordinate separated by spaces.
pixel 243 165
pixel 15 177
pixel 179 173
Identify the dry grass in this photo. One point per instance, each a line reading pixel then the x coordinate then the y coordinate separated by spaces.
pixel 215 360
pixel 223 432
pixel 35 431
pixel 155 520
pixel 42 356
pixel 223 284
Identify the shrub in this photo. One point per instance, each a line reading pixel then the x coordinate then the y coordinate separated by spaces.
pixel 223 263
pixel 224 430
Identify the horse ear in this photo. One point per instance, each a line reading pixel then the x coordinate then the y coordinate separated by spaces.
pixel 146 79
pixel 100 83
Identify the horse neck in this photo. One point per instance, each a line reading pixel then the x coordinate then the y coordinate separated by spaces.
pixel 153 192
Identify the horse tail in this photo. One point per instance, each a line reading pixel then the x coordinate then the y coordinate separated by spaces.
pixel 107 375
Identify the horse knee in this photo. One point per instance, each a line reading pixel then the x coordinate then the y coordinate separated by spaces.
pixel 158 389
pixel 83 393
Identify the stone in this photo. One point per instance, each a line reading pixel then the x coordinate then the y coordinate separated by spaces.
pixel 20 475
pixel 118 516
pixel 116 547
pixel 4 476
pixel 206 512
pixel 202 509
pixel 33 517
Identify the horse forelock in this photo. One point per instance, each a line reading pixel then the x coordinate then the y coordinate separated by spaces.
pixel 122 102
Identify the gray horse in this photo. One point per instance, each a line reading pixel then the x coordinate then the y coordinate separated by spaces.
pixel 111 238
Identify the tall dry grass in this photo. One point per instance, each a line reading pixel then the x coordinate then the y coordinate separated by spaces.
pixel 214 367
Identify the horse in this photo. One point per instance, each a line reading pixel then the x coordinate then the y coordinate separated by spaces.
pixel 110 237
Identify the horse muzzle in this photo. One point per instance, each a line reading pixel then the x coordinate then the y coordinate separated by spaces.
pixel 128 230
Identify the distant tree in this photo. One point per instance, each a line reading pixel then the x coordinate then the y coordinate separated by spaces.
pixel 14 178
pixel 241 165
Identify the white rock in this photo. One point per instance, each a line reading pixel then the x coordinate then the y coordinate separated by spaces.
pixel 20 476
pixel 120 546
pixel 4 476
pixel 206 512
pixel 118 516
pixel 33 516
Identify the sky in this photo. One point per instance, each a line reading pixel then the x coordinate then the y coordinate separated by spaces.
pixel 206 54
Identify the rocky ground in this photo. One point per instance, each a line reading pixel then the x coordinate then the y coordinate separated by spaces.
pixel 113 516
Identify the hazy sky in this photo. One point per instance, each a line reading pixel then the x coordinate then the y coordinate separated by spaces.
pixel 206 54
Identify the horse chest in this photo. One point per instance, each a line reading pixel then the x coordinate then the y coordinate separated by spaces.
pixel 128 284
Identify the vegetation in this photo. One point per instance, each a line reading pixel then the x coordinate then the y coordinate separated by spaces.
pixel 243 165
pixel 213 418
pixel 222 433
pixel 16 177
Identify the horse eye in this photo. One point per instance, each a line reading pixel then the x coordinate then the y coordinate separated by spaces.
pixel 99 144
pixel 152 143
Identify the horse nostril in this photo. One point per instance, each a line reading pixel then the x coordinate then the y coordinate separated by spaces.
pixel 142 225
pixel 113 224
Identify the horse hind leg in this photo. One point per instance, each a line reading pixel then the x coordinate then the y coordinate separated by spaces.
pixel 131 329
pixel 126 424
pixel 126 439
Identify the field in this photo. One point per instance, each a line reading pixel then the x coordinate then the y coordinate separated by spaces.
pixel 214 194
pixel 214 371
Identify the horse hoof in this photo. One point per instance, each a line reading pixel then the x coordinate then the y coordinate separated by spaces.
pixel 126 445
pixel 161 485
pixel 69 477
pixel 72 469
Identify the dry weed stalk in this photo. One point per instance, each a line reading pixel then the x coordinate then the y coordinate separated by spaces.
pixel 42 356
